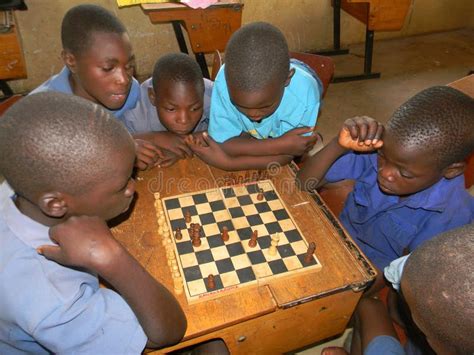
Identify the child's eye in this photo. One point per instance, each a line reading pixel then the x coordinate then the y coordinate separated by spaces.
pixel 107 69
pixel 170 109
pixel 196 108
pixel 406 176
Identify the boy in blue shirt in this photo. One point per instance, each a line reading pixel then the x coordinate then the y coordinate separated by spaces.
pixel 69 163
pixel 98 58
pixel 436 284
pixel 409 181
pixel 173 103
pixel 258 94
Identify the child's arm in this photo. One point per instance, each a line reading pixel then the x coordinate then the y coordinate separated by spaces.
pixel 87 242
pixel 291 143
pixel 213 154
pixel 168 141
pixel 362 134
pixel 147 154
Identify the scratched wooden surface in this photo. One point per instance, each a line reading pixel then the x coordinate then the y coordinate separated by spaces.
pixel 344 268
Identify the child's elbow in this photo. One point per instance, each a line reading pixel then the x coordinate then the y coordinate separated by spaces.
pixel 171 334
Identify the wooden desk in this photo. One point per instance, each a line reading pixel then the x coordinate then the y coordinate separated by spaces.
pixel 208 29
pixel 377 15
pixel 466 85
pixel 283 315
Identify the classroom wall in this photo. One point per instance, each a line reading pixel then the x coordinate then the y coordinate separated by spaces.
pixel 307 25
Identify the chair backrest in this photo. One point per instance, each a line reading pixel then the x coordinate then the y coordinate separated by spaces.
pixel 5 104
pixel 469 172
pixel 216 64
pixel 323 66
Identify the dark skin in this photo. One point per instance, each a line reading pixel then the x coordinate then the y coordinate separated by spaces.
pixel 103 74
pixel 179 107
pixel 80 238
pixel 246 152
pixel 403 170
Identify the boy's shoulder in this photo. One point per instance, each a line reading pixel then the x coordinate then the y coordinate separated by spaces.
pixel 58 82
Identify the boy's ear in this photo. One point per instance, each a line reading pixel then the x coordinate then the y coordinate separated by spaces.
pixel 53 204
pixel 290 75
pixel 152 96
pixel 69 60
pixel 455 169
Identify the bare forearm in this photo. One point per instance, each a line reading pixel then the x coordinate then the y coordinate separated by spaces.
pixel 246 145
pixel 311 175
pixel 253 162
pixel 158 312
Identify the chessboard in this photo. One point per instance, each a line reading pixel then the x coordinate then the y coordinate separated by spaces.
pixel 230 237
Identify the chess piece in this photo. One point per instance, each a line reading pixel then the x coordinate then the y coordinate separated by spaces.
pixel 247 176
pixel 187 217
pixel 272 250
pixel 260 195
pixel 309 254
pixel 240 179
pixel 211 283
pixel 254 176
pixel 225 234
pixel 253 239
pixel 196 240
pixel 178 235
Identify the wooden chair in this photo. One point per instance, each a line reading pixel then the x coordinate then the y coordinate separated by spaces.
pixel 5 104
pixel 216 64
pixel 323 66
pixel 469 173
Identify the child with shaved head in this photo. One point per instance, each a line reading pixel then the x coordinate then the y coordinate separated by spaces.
pixel 409 177
pixel 173 103
pixel 437 286
pixel 69 163
pixel 264 105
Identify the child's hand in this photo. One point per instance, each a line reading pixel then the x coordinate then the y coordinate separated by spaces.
pixel 147 154
pixel 174 144
pixel 208 150
pixel 82 241
pixel 294 143
pixel 361 134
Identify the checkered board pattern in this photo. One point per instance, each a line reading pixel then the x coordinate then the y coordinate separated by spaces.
pixel 233 263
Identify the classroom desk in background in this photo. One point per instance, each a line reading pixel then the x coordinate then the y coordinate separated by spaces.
pixel 208 29
pixel 283 315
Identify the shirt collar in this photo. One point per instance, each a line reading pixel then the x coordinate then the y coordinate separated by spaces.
pixel 434 198
pixel 27 230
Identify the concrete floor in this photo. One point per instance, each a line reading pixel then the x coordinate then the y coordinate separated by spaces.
pixel 408 66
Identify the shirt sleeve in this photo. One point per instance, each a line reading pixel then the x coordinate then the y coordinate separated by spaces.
pixel 138 119
pixel 98 321
pixel 349 166
pixel 224 122
pixel 384 344
pixel 393 272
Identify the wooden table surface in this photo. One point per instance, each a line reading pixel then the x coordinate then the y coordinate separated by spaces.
pixel 466 85
pixel 287 313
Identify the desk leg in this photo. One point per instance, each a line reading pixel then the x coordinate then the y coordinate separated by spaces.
pixel 369 47
pixel 201 59
pixel 178 32
pixel 5 88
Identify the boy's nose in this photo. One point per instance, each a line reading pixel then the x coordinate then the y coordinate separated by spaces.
pixel 387 173
pixel 122 77
pixel 182 118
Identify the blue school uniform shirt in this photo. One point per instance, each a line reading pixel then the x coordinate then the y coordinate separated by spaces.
pixel 299 107
pixel 144 118
pixel 60 83
pixel 383 225
pixel 49 308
